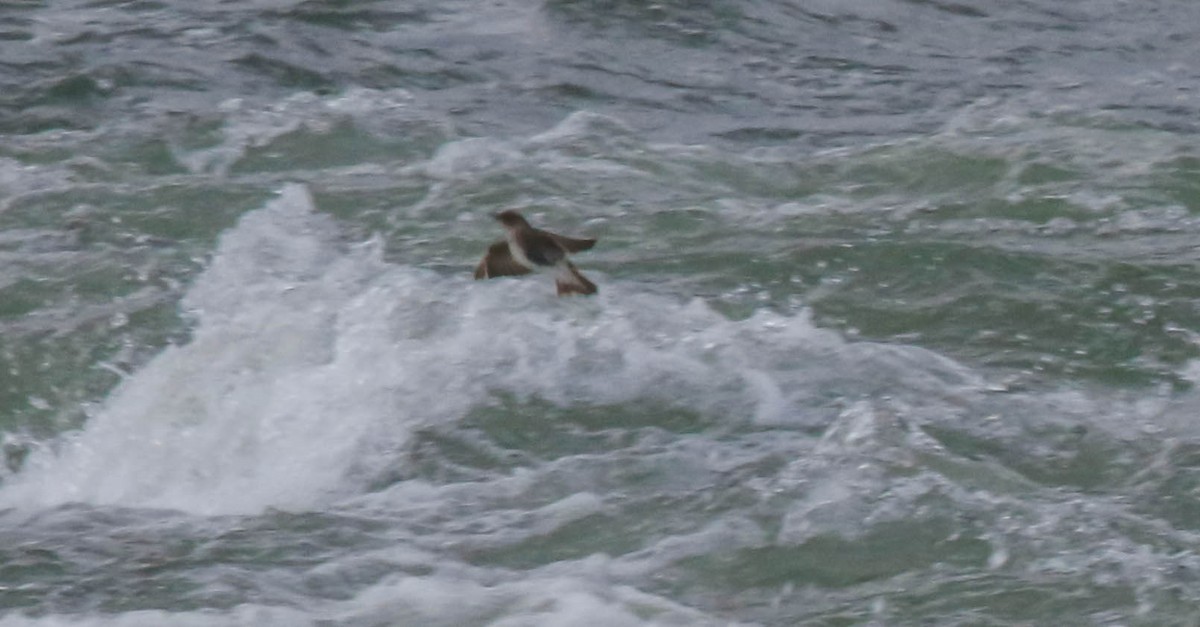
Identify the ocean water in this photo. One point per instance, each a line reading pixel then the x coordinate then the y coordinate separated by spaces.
pixel 898 321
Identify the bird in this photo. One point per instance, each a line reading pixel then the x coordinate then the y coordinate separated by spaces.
pixel 525 249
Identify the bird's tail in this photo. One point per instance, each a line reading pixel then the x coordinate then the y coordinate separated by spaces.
pixel 570 281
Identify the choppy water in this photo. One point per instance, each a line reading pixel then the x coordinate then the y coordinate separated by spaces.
pixel 898 324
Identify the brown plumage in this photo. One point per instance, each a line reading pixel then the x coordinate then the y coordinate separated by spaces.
pixel 525 249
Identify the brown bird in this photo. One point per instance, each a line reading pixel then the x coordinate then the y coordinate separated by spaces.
pixel 525 249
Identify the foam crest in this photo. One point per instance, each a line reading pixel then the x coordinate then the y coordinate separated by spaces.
pixel 252 125
pixel 530 602
pixel 436 601
pixel 216 425
pixel 311 365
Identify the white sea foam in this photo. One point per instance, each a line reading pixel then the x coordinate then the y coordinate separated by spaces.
pixel 311 365
pixel 433 601
pixel 247 125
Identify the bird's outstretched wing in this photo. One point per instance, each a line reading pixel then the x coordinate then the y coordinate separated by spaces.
pixel 571 244
pixel 498 261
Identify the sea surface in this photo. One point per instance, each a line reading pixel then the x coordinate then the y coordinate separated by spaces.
pixel 898 321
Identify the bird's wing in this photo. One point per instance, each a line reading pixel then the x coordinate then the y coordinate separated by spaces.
pixel 571 244
pixel 498 261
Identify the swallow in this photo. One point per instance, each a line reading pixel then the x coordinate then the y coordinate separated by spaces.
pixel 526 249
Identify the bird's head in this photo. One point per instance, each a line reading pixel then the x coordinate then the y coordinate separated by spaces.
pixel 510 219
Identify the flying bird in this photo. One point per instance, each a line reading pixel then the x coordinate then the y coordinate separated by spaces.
pixel 525 249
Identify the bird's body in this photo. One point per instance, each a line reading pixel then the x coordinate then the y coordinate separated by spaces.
pixel 526 249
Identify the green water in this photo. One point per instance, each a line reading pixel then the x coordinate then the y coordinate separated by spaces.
pixel 897 319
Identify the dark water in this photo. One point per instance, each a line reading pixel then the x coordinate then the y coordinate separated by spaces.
pixel 898 320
